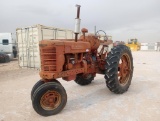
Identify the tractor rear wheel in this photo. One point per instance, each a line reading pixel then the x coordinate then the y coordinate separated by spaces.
pixel 82 79
pixel 49 99
pixel 119 69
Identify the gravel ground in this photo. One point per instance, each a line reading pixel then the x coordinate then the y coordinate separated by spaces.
pixel 93 102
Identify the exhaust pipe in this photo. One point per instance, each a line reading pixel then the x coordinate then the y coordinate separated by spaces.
pixel 77 23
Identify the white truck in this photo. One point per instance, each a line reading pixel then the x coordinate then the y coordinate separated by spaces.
pixel 8 44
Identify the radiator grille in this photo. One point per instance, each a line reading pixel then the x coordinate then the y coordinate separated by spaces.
pixel 48 59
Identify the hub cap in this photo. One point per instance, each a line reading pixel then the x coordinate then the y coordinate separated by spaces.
pixel 50 100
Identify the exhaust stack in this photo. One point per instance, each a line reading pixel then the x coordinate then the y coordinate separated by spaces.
pixel 77 23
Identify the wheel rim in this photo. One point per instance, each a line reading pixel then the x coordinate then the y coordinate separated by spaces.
pixel 124 69
pixel 50 100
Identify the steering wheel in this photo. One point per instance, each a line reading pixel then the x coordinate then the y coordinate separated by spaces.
pixel 105 35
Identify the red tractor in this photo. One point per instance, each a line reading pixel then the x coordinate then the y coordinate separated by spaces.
pixel 78 60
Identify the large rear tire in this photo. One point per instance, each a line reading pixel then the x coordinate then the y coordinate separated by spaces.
pixel 49 99
pixel 119 69
pixel 82 79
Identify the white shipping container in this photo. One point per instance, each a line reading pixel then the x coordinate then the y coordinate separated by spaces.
pixel 28 42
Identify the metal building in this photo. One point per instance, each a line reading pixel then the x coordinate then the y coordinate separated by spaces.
pixel 149 46
pixel 158 46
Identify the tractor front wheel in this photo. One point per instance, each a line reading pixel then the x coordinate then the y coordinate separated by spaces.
pixel 49 99
pixel 38 84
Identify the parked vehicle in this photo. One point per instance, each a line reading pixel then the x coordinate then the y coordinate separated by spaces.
pixel 8 45
pixel 133 44
pixel 78 59
pixel 4 57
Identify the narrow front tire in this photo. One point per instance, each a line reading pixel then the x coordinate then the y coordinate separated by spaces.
pixel 49 99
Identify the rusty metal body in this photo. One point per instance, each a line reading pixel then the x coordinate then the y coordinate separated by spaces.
pixel 67 58
pixel 78 60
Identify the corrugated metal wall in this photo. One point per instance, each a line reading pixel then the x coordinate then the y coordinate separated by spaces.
pixel 28 42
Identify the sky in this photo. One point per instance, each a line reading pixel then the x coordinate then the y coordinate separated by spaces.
pixel 121 19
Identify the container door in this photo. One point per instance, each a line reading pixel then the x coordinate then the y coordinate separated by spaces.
pixel 22 47
pixel 33 48
pixel 28 47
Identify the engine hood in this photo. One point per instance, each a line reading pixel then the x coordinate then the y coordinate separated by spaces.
pixel 70 46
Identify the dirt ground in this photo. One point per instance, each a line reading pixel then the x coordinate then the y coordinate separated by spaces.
pixel 93 102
